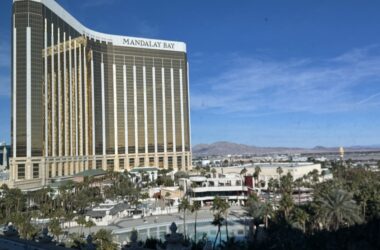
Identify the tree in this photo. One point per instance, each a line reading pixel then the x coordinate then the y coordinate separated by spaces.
pixel 257 172
pixel 259 211
pixel 272 187
pixel 298 184
pixel 144 196
pixel 194 209
pixel 167 195
pixel 279 171
pixel 337 208
pixel 220 208
pixel 22 221
pixel 89 224
pixel 213 171
pixel 13 201
pixel 243 172
pixel 104 241
pixel 184 206
pixel 299 218
pixel 232 244
pixel 81 222
pixel 314 176
pixel 218 221
pixel 55 228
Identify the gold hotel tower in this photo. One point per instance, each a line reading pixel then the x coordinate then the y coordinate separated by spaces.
pixel 88 100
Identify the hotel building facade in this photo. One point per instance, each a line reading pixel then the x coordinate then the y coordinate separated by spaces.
pixel 88 100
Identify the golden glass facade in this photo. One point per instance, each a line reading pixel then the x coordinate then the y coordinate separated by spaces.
pixel 82 100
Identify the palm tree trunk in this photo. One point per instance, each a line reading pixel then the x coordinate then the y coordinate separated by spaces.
pixel 220 236
pixel 195 227
pixel 216 237
pixel 299 195
pixel 184 223
pixel 226 228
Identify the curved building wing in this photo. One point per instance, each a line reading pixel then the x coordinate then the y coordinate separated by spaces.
pixel 85 100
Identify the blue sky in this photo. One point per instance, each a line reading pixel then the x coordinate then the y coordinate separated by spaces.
pixel 267 73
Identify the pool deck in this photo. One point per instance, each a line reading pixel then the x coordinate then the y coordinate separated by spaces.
pixel 128 223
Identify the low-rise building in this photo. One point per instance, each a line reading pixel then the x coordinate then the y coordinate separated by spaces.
pixel 140 173
pixel 269 171
pixel 205 189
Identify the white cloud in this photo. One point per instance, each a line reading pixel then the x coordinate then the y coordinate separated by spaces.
pixel 263 86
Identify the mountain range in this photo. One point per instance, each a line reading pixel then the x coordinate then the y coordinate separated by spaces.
pixel 225 148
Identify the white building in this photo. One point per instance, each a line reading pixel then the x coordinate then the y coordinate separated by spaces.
pixel 226 186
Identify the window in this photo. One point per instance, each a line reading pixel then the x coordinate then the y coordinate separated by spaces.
pixel 50 170
pixel 36 170
pixel 170 162
pixel 21 171
pixel 141 162
pixel 151 161
pixel 110 164
pixel 98 164
pixel 161 162
pixel 131 162
pixel 121 163
pixel 179 162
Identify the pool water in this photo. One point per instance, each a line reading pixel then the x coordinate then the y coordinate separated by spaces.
pixel 236 228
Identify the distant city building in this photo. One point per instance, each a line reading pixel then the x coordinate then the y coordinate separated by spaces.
pixel 87 100
pixel 4 155
pixel 270 170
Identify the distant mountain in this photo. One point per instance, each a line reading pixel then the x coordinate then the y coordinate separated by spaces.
pixel 225 148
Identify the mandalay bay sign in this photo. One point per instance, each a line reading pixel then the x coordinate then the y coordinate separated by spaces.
pixel 149 44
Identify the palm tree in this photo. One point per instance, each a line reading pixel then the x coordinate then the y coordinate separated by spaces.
pixel 213 171
pixel 89 224
pixel 55 228
pixel 298 183
pixel 259 211
pixel 184 206
pixel 23 223
pixel 286 204
pixel 194 209
pixel 81 222
pixel 337 208
pixel 272 187
pixel 167 195
pixel 362 196
pixel 257 173
pixel 232 244
pixel 314 176
pixel 103 238
pixel 279 171
pixel 218 221
pixel 299 218
pixel 197 168
pixel 243 172
pixel 220 208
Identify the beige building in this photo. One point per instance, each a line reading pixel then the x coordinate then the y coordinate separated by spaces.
pixel 269 170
